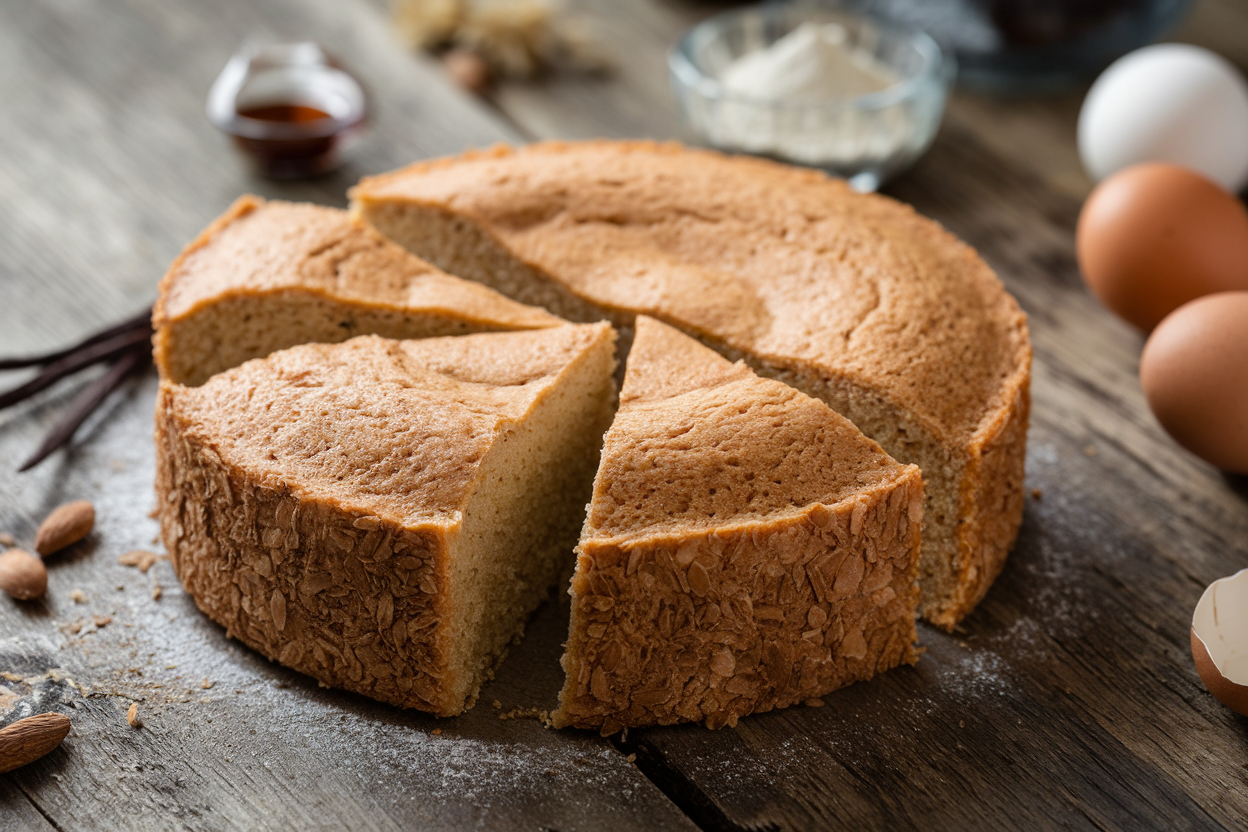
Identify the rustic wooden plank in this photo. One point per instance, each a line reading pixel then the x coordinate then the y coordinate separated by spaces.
pixel 18 814
pixel 1069 698
pixel 108 166
pixel 631 98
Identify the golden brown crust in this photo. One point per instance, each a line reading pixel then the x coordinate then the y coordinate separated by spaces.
pixel 260 259
pixel 855 299
pixel 699 442
pixel 780 262
pixel 746 548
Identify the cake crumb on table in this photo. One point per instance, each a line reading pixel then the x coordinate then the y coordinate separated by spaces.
pixel 101 621
pixel 132 716
pixel 140 558
pixel 1089 450
pixel 527 713
pixel 207 684
pixel 78 596
pixel 813 703
pixel 1036 493
pixel 156 592
pixel 437 732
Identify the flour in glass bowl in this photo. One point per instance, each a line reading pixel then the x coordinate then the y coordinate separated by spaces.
pixel 814 62
pixel 783 100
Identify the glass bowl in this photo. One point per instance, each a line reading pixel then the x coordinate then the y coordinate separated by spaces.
pixel 291 109
pixel 864 138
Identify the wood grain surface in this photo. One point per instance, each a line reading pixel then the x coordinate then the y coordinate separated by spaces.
pixel 1068 700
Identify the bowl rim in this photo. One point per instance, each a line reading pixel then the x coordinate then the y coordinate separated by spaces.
pixel 938 65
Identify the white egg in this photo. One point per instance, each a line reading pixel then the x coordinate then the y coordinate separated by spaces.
pixel 1168 103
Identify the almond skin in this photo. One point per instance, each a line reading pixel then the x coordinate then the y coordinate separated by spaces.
pixel 29 739
pixel 64 526
pixel 22 575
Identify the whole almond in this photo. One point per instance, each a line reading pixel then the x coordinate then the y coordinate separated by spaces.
pixel 66 525
pixel 468 69
pixel 22 575
pixel 29 739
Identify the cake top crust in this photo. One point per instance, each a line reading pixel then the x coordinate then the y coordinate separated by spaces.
pixel 779 262
pixel 700 443
pixel 260 246
pixel 392 429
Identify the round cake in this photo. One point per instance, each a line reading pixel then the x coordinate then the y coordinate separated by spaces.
pixel 822 429
pixel 853 299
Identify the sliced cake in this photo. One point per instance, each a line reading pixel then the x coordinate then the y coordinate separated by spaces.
pixel 270 275
pixel 746 548
pixel 383 515
pixel 854 299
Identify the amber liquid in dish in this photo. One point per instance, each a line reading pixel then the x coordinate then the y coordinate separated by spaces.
pixel 288 113
pixel 297 139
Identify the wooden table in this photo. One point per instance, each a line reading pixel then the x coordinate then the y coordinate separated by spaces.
pixel 1067 700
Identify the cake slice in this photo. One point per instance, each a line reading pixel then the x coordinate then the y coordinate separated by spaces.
pixel 270 275
pixel 746 548
pixel 384 515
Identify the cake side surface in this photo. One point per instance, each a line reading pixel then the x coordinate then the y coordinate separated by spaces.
pixel 855 300
pixel 714 626
pixel 269 275
pixel 326 503
pixel 737 528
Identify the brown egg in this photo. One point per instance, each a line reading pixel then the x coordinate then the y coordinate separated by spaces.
pixel 1194 371
pixel 1152 237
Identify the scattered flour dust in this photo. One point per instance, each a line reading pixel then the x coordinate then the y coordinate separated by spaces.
pixel 514 761
pixel 981 673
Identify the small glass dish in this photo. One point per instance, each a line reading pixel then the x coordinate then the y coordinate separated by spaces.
pixel 289 107
pixel 865 138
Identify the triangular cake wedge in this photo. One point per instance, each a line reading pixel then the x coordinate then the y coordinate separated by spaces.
pixel 270 275
pixel 384 515
pixel 746 548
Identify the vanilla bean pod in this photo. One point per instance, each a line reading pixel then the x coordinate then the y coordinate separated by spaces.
pixel 74 362
pixel 86 402
pixel 143 319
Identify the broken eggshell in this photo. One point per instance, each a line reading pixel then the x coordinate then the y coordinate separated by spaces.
pixel 1220 640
